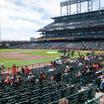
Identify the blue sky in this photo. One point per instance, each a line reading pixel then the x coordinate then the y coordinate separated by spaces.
pixel 20 19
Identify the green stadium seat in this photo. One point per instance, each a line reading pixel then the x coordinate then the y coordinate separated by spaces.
pixel 46 98
pixel 56 95
pixel 54 102
pixel 74 89
pixel 35 100
pixel 83 96
pixel 44 90
pixel 92 92
pixel 53 87
pixel 73 98
pixel 66 91
pixel 90 102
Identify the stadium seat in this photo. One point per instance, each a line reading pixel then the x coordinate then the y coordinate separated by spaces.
pixel 73 98
pixel 35 93
pixel 92 92
pixel 35 100
pixel 53 87
pixel 54 102
pixel 44 90
pixel 46 98
pixel 66 91
pixel 74 89
pixel 56 95
pixel 83 96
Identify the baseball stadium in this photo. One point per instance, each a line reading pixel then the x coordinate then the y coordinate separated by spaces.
pixel 63 66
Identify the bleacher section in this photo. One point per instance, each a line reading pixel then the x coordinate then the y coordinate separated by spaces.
pixel 49 92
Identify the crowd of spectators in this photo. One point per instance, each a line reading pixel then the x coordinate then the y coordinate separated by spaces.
pixel 83 70
pixel 96 45
pixel 85 62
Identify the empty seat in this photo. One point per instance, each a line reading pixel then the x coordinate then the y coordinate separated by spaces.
pixel 75 89
pixel 44 90
pixel 56 95
pixel 83 96
pixel 35 100
pixel 92 92
pixel 74 98
pixel 53 88
pixel 66 91
pixel 46 99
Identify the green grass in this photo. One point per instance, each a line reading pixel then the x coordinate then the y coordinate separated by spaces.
pixel 8 50
pixel 43 53
pixel 8 62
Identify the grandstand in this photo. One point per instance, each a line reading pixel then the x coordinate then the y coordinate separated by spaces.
pixel 85 27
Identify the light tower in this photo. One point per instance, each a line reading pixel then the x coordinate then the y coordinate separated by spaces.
pixel 78 3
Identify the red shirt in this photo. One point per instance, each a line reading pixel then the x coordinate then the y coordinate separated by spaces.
pixel 14 70
pixel 27 71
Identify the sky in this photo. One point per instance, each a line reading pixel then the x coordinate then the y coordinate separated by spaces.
pixel 20 19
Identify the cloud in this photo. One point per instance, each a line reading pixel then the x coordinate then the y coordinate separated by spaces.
pixel 20 19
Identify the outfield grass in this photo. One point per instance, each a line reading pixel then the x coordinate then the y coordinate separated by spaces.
pixel 8 62
pixel 9 50
pixel 43 53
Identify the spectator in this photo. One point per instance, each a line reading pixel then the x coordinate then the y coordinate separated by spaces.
pixel 32 80
pixel 22 69
pixel 26 70
pixel 42 77
pixel 63 101
pixel 8 80
pixel 14 70
pixel 52 78
pixel 18 81
pixel 102 100
pixel 58 77
pixel 67 69
pixel 13 78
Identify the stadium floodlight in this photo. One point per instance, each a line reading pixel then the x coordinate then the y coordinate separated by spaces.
pixel 78 3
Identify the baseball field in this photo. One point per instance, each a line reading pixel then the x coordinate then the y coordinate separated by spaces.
pixel 22 57
pixel 26 56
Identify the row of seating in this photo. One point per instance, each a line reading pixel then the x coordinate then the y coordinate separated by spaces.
pixel 33 94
